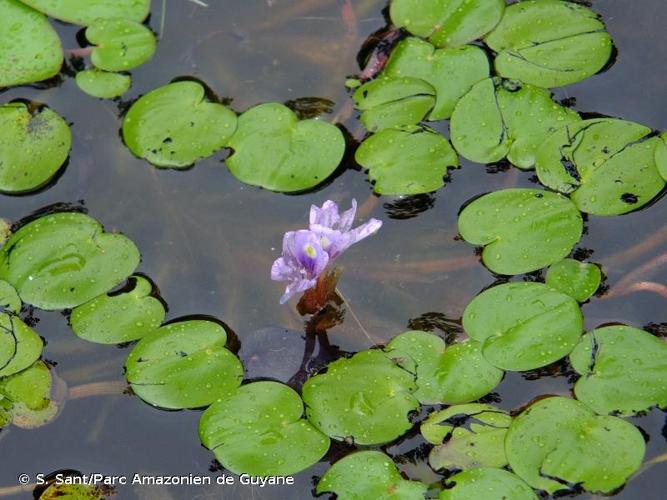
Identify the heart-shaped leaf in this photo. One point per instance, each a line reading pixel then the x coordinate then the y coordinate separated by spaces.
pixel 275 150
pixel 20 346
pixel 523 325
pixel 183 365
pixel 119 318
pixel 120 44
pixel 393 102
pixel 451 72
pixel 549 43
pixel 407 161
pixel 623 370
pixel 452 375
pixel 558 443
pixel 468 436
pixel 365 398
pixel 503 118
pixel 62 260
pixel 103 84
pixel 30 49
pixel 447 23
pixel 173 126
pixel 258 429
pixel 84 12
pixel 487 483
pixel 33 147
pixel 369 474
pixel 577 279
pixel 522 230
pixel 27 397
pixel 608 166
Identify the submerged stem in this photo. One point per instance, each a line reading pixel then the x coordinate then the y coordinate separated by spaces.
pixel 106 388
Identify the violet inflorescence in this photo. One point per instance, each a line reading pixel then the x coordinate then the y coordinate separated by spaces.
pixel 308 253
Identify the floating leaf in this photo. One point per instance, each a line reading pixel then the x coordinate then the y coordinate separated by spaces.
pixel 275 150
pixel 523 230
pixel 119 318
pixel 623 370
pixel 451 72
pixel 29 392
pixel 410 161
pixel 468 436
pixel 20 346
pixel 504 118
pixel 63 491
pixel 447 23
pixel 549 43
pixel 33 147
pixel 173 126
pixel 84 12
pixel 576 279
pixel 30 49
pixel 183 365
pixel 120 44
pixel 393 102
pixel 9 298
pixel 452 375
pixel 608 166
pixel 369 474
pixel 558 443
pixel 103 84
pixel 365 398
pixel 488 484
pixel 63 260
pixel 523 325
pixel 258 429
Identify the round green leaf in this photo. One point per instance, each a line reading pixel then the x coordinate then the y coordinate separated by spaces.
pixel 115 319
pixel 447 23
pixel 409 161
pixel 623 370
pixel 258 429
pixel 173 126
pixel 275 150
pixel 452 375
pixel 549 43
pixel 608 166
pixel 103 84
pixel 558 443
pixel 120 44
pixel 369 474
pixel 30 387
pixel 33 147
pixel 576 279
pixel 487 483
pixel 84 12
pixel 365 398
pixel 503 118
pixel 393 102
pixel 522 230
pixel 30 49
pixel 183 365
pixel 523 325
pixel 9 298
pixel 468 436
pixel 451 72
pixel 20 346
pixel 63 260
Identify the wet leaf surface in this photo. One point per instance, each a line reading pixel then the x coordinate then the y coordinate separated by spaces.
pixel 579 280
pixel 120 44
pixel 103 84
pixel 84 12
pixel 20 346
pixel 488 484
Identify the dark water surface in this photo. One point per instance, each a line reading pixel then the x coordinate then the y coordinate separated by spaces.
pixel 208 241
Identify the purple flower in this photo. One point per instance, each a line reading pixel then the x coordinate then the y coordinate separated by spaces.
pixel 307 253
pixel 335 229
pixel 302 261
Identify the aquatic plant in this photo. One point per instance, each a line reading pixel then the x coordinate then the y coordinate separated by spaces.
pixel 307 253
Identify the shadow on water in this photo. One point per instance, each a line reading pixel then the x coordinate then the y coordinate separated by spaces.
pixel 208 241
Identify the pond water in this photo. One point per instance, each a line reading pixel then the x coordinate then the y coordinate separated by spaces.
pixel 208 241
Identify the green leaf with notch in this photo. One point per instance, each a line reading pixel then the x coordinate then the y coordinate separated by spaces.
pixel 579 280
